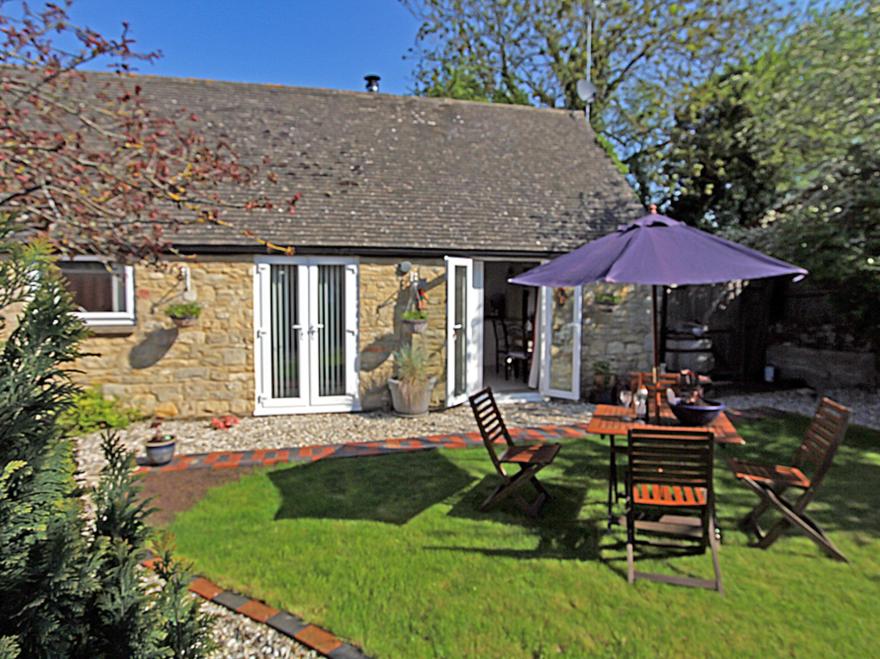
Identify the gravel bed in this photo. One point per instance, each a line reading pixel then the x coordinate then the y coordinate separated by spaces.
pixel 269 432
pixel 240 637
pixel 865 405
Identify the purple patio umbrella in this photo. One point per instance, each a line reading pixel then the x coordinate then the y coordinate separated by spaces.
pixel 657 250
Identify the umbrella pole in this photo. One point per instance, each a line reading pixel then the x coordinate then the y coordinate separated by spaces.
pixel 655 333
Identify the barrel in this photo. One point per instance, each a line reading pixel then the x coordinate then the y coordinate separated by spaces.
pixel 686 351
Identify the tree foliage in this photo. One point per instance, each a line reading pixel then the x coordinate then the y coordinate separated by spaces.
pixel 645 55
pixel 781 152
pixel 87 160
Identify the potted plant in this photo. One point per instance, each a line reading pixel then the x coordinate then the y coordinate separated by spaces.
pixel 160 447
pixel 607 300
pixel 416 320
pixel 411 388
pixel 184 314
pixel 601 374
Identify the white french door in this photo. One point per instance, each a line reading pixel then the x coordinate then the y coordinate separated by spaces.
pixel 561 342
pixel 464 329
pixel 305 335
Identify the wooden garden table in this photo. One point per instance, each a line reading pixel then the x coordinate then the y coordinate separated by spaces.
pixel 613 421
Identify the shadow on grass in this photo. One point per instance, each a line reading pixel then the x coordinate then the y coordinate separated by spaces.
pixel 561 532
pixel 390 488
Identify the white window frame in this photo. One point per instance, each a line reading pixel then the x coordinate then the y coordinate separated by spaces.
pixel 108 318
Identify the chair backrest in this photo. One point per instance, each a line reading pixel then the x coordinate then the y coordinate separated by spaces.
pixel 674 457
pixel 516 336
pixel 822 439
pixel 490 423
pixel 499 329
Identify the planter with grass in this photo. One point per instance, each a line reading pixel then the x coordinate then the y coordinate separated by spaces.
pixel 184 314
pixel 416 320
pixel 411 389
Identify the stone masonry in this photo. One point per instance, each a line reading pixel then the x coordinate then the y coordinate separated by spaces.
pixel 201 370
pixel 619 334
pixel 384 296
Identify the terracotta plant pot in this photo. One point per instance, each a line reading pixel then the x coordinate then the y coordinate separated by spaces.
pixel 408 400
pixel 184 322
pixel 417 326
pixel 160 452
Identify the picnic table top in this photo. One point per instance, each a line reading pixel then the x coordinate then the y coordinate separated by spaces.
pixel 616 420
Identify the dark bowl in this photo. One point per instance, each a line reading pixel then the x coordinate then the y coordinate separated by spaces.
pixel 698 415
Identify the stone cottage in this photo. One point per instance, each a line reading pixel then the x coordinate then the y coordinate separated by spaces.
pixel 403 199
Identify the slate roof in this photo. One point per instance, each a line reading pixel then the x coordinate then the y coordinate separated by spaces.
pixel 378 171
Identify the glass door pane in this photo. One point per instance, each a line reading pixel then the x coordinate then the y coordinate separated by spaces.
pixel 562 342
pixel 331 330
pixel 561 339
pixel 284 331
pixel 459 326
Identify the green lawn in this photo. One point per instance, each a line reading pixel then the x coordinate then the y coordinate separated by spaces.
pixel 391 553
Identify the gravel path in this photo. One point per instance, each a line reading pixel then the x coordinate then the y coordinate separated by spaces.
pixel 864 404
pixel 240 637
pixel 272 432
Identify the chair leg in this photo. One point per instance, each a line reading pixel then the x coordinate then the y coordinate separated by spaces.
pixel 713 546
pixel 794 516
pixel 630 564
pixel 630 542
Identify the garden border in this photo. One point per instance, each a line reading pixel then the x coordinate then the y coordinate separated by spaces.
pixel 315 452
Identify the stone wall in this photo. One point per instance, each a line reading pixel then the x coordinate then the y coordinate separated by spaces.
pixel 208 369
pixel 384 295
pixel 202 370
pixel 619 333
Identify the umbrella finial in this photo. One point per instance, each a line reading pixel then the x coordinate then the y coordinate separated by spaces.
pixel 653 209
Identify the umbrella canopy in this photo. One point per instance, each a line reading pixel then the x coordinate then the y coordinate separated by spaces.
pixel 657 250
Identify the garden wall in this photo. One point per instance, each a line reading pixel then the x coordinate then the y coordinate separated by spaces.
pixel 619 333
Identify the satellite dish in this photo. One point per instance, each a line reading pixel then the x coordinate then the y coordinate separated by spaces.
pixel 586 90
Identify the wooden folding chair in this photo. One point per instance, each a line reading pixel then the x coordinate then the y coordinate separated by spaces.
pixel 670 493
pixel 816 452
pixel 530 459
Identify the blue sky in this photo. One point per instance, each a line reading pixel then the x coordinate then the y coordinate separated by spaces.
pixel 317 43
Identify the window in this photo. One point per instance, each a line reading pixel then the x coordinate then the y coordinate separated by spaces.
pixel 103 294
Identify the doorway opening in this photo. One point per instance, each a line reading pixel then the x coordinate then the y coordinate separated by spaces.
pixel 510 353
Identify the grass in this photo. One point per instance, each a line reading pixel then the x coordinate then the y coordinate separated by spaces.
pixel 391 553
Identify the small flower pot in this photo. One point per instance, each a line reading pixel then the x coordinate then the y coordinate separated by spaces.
pixel 184 322
pixel 417 326
pixel 160 452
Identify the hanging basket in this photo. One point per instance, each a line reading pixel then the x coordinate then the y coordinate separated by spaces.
pixel 417 326
pixel 184 322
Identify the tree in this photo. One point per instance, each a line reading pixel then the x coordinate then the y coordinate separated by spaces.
pixel 778 152
pixel 110 176
pixel 645 55
pixel 69 588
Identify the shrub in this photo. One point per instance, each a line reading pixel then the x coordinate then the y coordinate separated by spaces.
pixel 92 411
pixel 69 588
pixel 180 310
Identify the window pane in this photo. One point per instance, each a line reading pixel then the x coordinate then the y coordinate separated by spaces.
pixel 94 287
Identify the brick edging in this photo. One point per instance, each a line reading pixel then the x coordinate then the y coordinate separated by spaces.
pixel 315 452
pixel 316 638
